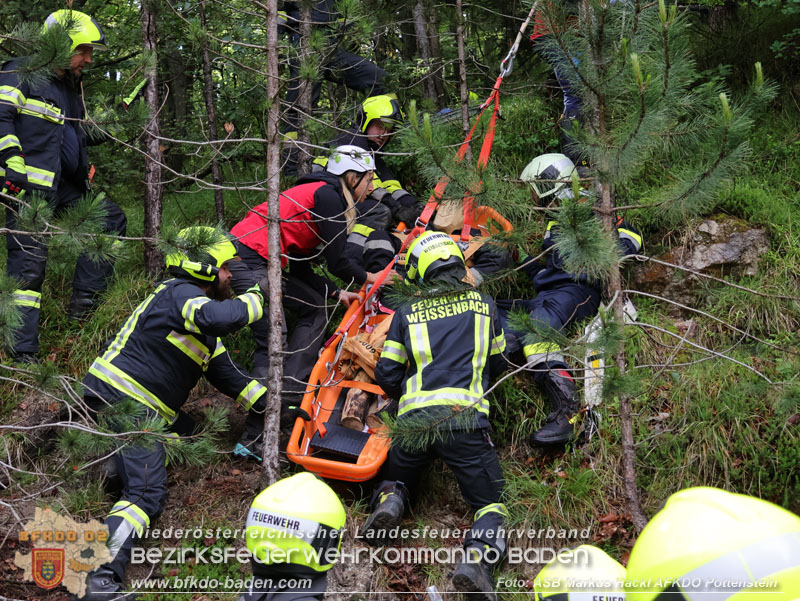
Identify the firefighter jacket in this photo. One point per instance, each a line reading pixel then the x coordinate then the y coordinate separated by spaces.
pixel 168 343
pixel 387 189
pixel 313 223
pixel 41 122
pixel 439 355
pixel 551 273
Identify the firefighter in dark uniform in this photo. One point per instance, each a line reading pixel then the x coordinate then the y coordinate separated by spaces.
pixel 43 151
pixel 316 216
pixel 168 343
pixel 437 360
pixel 389 204
pixel 294 532
pixel 561 298
pixel 338 66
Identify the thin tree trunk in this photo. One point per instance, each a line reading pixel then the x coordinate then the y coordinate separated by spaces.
pixel 272 414
pixel 424 49
pixel 437 70
pixel 208 95
pixel 462 74
pixel 304 97
pixel 153 158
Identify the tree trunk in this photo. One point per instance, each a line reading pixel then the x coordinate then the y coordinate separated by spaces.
pixel 437 68
pixel 272 414
pixel 424 49
pixel 462 75
pixel 208 95
pixel 304 97
pixel 154 190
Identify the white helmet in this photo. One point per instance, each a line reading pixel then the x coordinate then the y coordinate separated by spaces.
pixel 350 158
pixel 542 172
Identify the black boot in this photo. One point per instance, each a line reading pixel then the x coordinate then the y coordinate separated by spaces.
pixel 387 513
pixel 80 304
pixel 250 445
pixel 559 388
pixel 474 577
pixel 102 585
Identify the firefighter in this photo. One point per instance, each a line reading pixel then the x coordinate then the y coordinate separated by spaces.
pixel 585 572
pixel 561 298
pixel 338 65
pixel 316 216
pixel 708 543
pixel 156 358
pixel 43 151
pixel 293 532
pixel 437 360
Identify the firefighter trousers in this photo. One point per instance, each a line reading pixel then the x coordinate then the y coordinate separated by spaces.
pixel 27 259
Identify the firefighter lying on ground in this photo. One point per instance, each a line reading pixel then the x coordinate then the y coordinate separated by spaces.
pixel 316 216
pixel 437 360
pixel 294 532
pixel 561 298
pixel 43 151
pixel 168 343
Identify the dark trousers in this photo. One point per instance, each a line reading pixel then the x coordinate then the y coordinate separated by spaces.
pixel 305 303
pixel 557 309
pixel 27 259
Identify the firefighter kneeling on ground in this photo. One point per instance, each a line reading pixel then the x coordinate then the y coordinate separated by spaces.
pixel 562 298
pixel 167 344
pixel 437 360
pixel 294 532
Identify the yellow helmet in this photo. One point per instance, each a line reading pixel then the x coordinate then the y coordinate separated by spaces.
pixel 706 540
pixel 216 250
pixel 580 574
pixel 82 29
pixel 429 252
pixel 384 107
pixel 298 521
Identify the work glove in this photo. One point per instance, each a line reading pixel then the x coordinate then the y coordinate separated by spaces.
pixel 16 178
pixel 408 214
pixel 256 289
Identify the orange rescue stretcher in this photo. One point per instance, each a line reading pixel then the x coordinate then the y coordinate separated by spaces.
pixel 321 445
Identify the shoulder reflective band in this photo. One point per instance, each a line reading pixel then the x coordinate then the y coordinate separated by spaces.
pixel 190 307
pixel 12 95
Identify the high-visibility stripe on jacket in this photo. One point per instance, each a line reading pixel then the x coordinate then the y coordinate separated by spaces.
pixel 171 340
pixel 439 354
pixel 33 118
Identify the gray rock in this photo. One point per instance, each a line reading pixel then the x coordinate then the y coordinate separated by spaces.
pixel 722 246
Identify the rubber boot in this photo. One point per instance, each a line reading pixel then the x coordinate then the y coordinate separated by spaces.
pixel 80 304
pixel 102 585
pixel 474 577
pixel 389 504
pixel 559 388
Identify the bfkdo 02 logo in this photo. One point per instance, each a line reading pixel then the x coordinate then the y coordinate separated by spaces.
pixel 48 567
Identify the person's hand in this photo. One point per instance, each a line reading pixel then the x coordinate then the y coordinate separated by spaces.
pixel 346 298
pixel 16 178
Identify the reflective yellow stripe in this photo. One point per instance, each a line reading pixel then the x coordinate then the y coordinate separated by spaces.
pixel 43 110
pixel 323 162
pixel 251 393
pixel 191 347
pixel 27 298
pixel 12 95
pixel 42 177
pixel 116 378
pixel 421 351
pixel 498 344
pixel 493 508
pixel 9 141
pixel 189 309
pixel 550 226
pixel 632 236
pixel 542 351
pixel 391 185
pixel 394 351
pixel 218 350
pixel 125 331
pixel 132 513
pixel 290 135
pixel 364 230
pixel 255 309
pixel 443 397
pixel 481 352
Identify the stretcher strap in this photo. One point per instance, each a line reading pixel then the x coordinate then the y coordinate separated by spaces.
pixel 366 386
